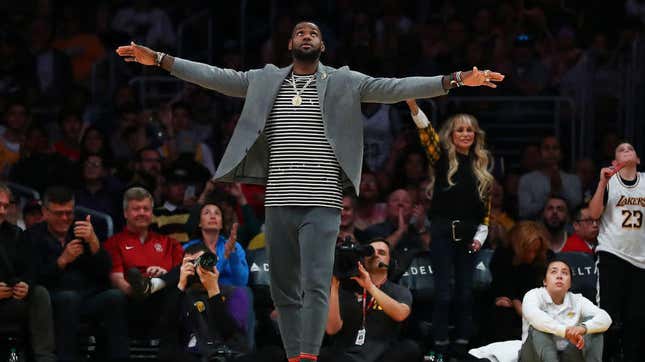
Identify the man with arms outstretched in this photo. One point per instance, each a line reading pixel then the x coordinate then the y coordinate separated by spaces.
pixel 300 134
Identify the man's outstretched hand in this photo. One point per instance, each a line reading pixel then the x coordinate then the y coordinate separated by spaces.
pixel 137 53
pixel 476 78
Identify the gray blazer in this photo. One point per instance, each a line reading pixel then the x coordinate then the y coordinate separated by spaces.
pixel 340 92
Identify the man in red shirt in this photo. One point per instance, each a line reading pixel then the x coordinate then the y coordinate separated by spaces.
pixel 586 231
pixel 141 259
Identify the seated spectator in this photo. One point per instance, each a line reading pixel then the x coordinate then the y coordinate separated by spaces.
pixel 16 120
pixel 411 168
pixel 141 258
pixel 369 211
pixel 94 142
pixel 68 260
pixel 530 158
pixel 147 171
pixel 183 138
pixel 585 233
pixel 235 209
pixel 347 225
pixel 70 124
pixel 199 320
pixel 100 191
pixel 232 267
pixel 32 213
pixel 367 326
pixel 498 214
pixel 501 221
pixel 396 229
pixel 220 325
pixel 39 165
pixel 535 187
pixel 170 218
pixel 20 299
pixel 127 116
pixel 516 269
pixel 559 325
pixel 52 67
pixel 555 216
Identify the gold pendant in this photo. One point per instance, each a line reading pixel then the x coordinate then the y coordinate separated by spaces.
pixel 296 100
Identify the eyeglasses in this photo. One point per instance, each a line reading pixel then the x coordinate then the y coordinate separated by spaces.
pixel 589 220
pixel 61 213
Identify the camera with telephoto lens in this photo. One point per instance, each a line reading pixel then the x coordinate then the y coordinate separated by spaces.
pixel 348 254
pixel 207 261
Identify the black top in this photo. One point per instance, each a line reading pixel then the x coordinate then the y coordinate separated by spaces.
pixel 88 274
pixel 220 324
pixel 513 281
pixel 13 257
pixel 460 201
pixel 381 330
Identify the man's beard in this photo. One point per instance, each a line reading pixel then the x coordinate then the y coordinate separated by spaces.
pixel 554 227
pixel 307 57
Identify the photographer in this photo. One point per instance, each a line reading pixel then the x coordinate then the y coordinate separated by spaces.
pixel 69 262
pixel 20 300
pixel 199 325
pixel 365 326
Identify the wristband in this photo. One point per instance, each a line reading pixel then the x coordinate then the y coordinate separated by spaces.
pixel 159 58
pixel 456 80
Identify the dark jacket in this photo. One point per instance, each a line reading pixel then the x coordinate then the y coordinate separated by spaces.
pixel 13 255
pixel 219 326
pixel 88 274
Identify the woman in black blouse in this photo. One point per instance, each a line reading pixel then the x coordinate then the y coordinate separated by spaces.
pixel 461 185
pixel 516 269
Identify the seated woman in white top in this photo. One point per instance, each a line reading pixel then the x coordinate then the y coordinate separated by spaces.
pixel 559 325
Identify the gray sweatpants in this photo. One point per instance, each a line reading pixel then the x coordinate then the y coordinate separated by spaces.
pixel 300 244
pixel 540 346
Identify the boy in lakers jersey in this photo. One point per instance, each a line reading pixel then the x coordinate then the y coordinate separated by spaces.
pixel 619 203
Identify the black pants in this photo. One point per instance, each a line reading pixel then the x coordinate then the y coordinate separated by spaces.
pixel 36 309
pixel 450 257
pixel 106 308
pixel 622 294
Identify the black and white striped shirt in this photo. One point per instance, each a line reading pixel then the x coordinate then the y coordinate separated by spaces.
pixel 303 169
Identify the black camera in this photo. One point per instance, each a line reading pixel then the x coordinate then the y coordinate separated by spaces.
pixel 348 254
pixel 207 261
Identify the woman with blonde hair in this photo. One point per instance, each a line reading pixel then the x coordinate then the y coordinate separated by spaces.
pixel 461 188
pixel 516 269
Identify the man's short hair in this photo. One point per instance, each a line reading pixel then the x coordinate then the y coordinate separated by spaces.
pixel 556 197
pixel 4 189
pixel 577 214
pixel 58 195
pixel 138 194
pixel 140 152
